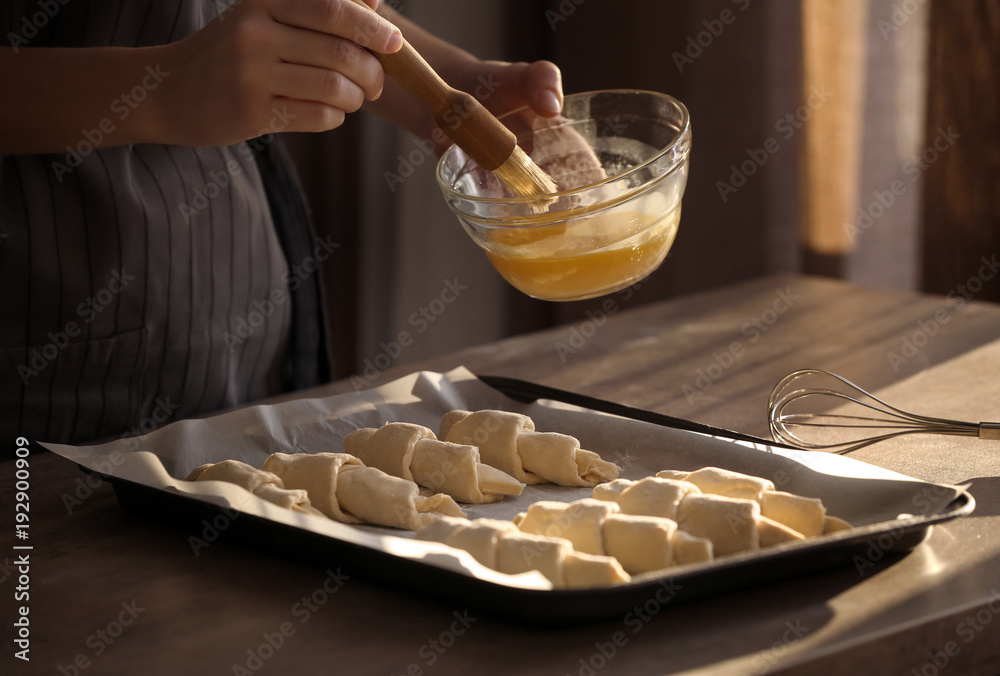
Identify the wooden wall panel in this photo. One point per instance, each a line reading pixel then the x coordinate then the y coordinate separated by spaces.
pixel 961 158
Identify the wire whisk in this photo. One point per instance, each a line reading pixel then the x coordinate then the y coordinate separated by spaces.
pixel 843 432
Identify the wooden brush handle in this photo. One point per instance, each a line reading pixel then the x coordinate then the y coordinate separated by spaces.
pixel 459 114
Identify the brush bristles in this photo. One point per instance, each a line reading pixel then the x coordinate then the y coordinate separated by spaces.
pixel 524 178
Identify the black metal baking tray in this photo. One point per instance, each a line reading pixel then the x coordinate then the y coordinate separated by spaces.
pixel 549 606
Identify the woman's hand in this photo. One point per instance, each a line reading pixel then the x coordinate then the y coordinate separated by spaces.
pixel 502 86
pixel 273 65
pixel 499 85
pixel 261 66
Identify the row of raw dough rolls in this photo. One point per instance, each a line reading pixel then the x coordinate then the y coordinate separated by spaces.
pixel 502 546
pixel 633 527
pixel 334 485
pixel 585 543
pixel 736 512
pixel 379 479
pixel 479 457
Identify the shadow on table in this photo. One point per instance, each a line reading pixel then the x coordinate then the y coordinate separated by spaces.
pixel 756 626
pixel 231 600
pixel 941 597
pixel 986 491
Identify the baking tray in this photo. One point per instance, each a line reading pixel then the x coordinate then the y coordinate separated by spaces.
pixel 867 543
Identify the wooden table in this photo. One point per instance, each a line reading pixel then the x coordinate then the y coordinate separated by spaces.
pixel 112 593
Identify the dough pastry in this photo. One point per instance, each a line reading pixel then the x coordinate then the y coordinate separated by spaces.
pixel 689 548
pixel 234 472
pixel 456 470
pixel 509 442
pixel 725 482
pixel 582 571
pixel 495 433
pixel 730 523
pixel 580 522
pixel 771 532
pixel 832 524
pixel 558 458
pixel 413 452
pixel 388 448
pixel 449 419
pixel 802 514
pixel 441 529
pixel 524 552
pixel 639 543
pixel 653 496
pixel 263 484
pixel 377 498
pixel 675 474
pixel 501 546
pixel 289 498
pixel 478 537
pixel 318 474
pixel 611 489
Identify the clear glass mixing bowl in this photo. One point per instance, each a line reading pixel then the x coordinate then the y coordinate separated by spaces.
pixel 620 158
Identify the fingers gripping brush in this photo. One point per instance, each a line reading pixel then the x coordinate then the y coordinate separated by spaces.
pixel 473 128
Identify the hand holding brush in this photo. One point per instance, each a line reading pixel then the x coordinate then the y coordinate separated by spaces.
pixel 467 122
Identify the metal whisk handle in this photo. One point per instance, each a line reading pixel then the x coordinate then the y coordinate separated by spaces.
pixel 867 419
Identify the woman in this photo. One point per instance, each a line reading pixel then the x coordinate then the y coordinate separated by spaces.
pixel 151 232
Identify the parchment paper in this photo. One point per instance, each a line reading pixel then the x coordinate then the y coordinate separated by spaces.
pixel 863 494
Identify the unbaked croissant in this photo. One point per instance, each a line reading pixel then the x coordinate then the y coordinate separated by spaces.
pixel 412 452
pixel 345 490
pixel 509 442
pixel 500 545
pixel 265 485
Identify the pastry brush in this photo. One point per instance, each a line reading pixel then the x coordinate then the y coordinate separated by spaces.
pixel 473 128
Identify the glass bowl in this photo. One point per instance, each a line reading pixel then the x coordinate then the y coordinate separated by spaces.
pixel 620 159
